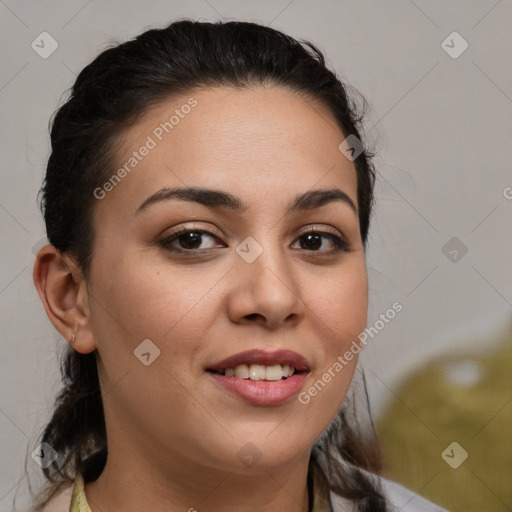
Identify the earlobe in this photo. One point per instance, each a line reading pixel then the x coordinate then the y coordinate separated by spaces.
pixel 63 292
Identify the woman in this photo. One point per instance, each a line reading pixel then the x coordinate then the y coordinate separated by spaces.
pixel 207 202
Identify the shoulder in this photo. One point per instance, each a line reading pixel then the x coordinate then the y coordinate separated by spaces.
pixel 61 501
pixel 398 499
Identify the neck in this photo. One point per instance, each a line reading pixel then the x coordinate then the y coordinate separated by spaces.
pixel 136 482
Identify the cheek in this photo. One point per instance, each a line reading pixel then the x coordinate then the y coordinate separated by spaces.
pixel 174 310
pixel 339 314
pixel 339 306
pixel 134 302
pixel 153 300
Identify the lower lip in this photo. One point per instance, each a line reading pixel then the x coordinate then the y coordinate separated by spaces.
pixel 259 392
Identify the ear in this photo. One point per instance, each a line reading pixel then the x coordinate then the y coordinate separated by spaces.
pixel 63 291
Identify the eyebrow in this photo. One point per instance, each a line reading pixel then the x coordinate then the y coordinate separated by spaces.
pixel 215 199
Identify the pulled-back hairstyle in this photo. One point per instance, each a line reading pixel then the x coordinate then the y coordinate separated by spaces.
pixel 111 93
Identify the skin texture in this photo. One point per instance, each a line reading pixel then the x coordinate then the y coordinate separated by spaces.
pixel 173 435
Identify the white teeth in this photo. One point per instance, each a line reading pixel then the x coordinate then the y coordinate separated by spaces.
pixel 257 372
pixel 274 372
pixel 242 371
pixel 260 371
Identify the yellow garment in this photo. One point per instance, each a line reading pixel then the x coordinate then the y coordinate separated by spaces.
pixel 79 502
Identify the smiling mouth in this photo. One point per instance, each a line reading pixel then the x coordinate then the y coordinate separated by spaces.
pixel 261 372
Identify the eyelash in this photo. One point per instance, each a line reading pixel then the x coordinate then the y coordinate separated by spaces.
pixel 341 245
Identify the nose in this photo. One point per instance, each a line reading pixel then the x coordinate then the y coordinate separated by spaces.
pixel 266 292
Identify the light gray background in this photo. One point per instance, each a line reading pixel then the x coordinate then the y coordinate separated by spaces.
pixel 442 128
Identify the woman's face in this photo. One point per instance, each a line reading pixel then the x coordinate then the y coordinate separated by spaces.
pixel 164 313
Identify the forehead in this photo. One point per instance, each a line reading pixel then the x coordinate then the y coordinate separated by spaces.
pixel 260 143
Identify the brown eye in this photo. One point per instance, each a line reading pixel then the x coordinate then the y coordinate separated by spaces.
pixel 187 240
pixel 313 241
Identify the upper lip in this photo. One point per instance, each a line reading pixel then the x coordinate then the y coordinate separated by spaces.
pixel 257 356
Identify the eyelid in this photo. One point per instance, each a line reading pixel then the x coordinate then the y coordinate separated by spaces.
pixel 323 229
pixel 306 229
pixel 192 227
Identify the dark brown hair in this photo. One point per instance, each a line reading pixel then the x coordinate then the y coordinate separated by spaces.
pixel 111 93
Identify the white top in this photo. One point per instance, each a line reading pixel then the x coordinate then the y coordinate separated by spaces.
pixel 398 497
